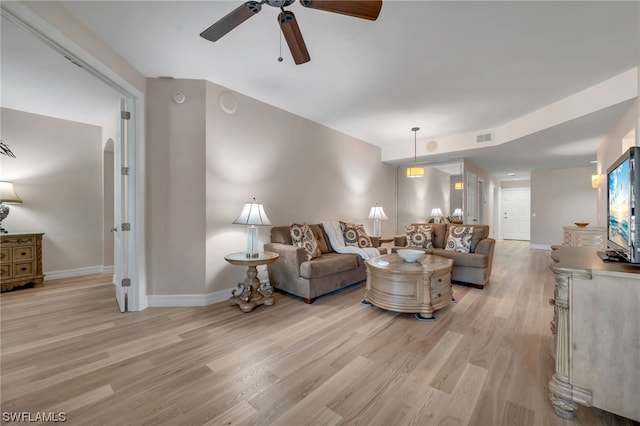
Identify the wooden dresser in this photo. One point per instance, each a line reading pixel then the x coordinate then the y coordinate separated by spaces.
pixel 20 260
pixel 590 236
pixel 596 327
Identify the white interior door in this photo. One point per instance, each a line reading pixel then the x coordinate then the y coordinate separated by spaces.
pixel 516 207
pixel 121 226
pixel 129 259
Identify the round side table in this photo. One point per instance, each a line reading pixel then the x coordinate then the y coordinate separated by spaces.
pixel 250 293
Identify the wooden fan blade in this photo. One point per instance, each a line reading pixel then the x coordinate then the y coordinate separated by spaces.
pixel 293 36
pixel 231 20
pixel 364 9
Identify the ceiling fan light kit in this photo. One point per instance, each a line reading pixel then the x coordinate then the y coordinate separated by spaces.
pixel 364 9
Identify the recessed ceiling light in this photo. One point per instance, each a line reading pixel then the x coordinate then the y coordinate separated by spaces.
pixel 594 161
pixel 511 174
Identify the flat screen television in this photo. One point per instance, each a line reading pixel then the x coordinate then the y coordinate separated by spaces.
pixel 623 192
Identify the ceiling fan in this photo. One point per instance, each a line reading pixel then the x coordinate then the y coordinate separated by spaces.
pixel 365 9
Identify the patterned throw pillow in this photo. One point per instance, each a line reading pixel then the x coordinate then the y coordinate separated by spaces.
pixel 419 236
pixel 355 235
pixel 301 236
pixel 459 238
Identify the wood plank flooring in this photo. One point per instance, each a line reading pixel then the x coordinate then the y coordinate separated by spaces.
pixel 485 361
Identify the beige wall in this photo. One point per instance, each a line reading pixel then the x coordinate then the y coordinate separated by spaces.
pixel 560 198
pixel 417 196
pixel 108 203
pixel 58 174
pixel 300 170
pixel 203 164
pixel 610 150
pixel 175 176
pixel 488 199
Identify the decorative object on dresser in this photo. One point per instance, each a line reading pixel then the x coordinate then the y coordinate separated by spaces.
pixel 7 195
pixel 409 287
pixel 5 150
pixel 20 260
pixel 252 214
pixel 595 325
pixel 581 236
pixel 377 214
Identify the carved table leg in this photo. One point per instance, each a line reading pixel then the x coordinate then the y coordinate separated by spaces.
pixel 252 293
pixel 426 314
pixel 560 389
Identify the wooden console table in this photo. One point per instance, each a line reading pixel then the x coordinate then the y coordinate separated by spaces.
pixel 410 287
pixel 20 260
pixel 589 236
pixel 596 325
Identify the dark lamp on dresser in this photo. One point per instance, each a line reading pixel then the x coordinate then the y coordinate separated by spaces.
pixel 7 195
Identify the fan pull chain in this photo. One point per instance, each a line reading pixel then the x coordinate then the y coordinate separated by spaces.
pixel 280 58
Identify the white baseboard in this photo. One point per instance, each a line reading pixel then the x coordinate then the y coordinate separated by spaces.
pixel 176 300
pixel 540 246
pixel 155 301
pixel 70 273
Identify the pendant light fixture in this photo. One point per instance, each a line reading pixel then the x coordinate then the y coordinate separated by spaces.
pixel 415 171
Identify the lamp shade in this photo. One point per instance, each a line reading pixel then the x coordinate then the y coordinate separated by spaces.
pixel 252 214
pixel 413 172
pixel 377 212
pixel 436 212
pixel 457 212
pixel 8 193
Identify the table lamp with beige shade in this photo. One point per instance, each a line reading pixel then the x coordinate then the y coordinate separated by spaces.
pixel 252 214
pixel 7 195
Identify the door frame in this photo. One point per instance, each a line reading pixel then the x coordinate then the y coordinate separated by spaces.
pixel 28 19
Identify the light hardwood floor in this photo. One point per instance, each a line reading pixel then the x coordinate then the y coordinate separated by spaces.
pixel 485 361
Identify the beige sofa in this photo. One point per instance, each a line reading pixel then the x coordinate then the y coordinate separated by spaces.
pixel 309 279
pixel 471 268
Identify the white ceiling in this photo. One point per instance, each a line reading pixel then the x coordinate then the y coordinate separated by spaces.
pixel 448 67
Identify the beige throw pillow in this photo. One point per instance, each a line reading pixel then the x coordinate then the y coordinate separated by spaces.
pixel 355 235
pixel 419 236
pixel 459 238
pixel 301 236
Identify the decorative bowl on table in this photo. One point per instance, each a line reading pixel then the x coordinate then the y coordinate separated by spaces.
pixel 410 255
pixel 581 224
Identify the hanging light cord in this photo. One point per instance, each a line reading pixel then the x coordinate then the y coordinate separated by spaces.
pixel 415 144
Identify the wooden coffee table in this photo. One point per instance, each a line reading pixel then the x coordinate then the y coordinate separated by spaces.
pixel 420 287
